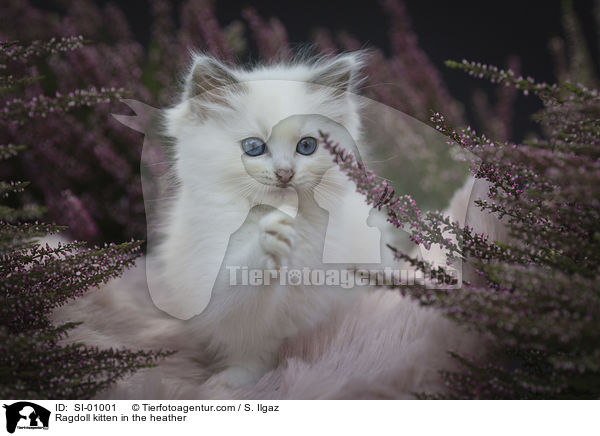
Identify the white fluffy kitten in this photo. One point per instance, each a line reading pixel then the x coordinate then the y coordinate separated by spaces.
pixel 218 183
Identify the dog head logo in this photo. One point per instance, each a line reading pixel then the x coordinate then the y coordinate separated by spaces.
pixel 26 415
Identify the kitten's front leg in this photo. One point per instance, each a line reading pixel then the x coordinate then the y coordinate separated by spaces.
pixel 264 242
pixel 276 238
pixel 272 241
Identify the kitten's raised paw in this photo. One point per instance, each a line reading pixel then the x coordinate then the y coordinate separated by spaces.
pixel 277 236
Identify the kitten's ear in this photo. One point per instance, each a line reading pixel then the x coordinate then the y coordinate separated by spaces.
pixel 341 72
pixel 206 77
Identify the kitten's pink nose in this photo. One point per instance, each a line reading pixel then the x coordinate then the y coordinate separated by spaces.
pixel 284 175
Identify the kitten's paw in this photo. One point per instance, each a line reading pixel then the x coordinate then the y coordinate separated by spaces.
pixel 277 237
pixel 236 377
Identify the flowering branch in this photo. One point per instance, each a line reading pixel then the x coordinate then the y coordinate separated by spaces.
pixel 21 110
pixel 13 51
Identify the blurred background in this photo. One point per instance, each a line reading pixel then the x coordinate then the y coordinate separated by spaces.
pixel 489 32
pixel 85 167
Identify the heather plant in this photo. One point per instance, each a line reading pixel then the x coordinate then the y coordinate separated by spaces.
pixel 536 296
pixel 36 277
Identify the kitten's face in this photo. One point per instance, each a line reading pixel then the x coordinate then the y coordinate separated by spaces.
pixel 287 153
pixel 259 137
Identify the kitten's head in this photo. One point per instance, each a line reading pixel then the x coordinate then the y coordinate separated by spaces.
pixel 253 132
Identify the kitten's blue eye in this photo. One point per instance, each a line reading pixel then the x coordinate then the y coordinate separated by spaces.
pixel 306 146
pixel 253 146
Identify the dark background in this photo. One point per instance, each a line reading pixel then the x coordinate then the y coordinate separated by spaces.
pixel 486 31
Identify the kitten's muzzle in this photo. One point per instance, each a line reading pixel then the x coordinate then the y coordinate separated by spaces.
pixel 284 175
